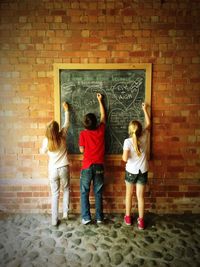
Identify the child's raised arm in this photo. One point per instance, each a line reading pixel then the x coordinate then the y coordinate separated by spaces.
pixel 146 116
pixel 66 122
pixel 102 109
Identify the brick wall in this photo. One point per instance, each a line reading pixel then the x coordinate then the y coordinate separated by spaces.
pixel 36 34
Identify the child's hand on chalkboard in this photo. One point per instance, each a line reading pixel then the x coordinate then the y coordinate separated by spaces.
pixel 65 106
pixel 99 96
pixel 144 106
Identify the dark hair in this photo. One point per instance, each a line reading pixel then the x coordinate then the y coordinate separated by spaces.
pixel 90 121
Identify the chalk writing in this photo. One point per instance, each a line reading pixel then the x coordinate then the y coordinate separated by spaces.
pixel 123 92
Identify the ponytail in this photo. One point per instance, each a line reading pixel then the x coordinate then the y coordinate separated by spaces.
pixel 135 131
pixel 136 144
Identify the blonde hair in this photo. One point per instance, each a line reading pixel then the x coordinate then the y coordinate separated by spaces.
pixel 53 135
pixel 135 132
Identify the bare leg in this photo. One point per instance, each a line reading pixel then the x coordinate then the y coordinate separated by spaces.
pixel 140 190
pixel 129 195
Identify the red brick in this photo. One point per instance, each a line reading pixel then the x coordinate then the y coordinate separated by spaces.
pixel 27 74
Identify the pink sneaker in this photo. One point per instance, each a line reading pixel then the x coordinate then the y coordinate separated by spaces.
pixel 140 223
pixel 127 220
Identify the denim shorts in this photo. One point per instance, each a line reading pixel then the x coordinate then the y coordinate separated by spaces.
pixel 140 178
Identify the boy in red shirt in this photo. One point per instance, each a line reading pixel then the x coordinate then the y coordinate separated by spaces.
pixel 92 145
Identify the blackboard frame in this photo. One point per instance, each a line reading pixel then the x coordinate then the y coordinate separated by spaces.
pixel 112 66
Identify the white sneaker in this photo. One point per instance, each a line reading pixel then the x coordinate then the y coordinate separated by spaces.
pixel 55 224
pixel 85 221
pixel 65 216
pixel 99 221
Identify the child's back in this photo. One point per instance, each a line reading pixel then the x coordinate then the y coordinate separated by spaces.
pixel 135 162
pixel 94 145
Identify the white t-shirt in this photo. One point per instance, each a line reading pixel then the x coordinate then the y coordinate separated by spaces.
pixel 135 163
pixel 57 158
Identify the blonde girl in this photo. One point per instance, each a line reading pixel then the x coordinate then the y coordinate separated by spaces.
pixel 134 154
pixel 54 144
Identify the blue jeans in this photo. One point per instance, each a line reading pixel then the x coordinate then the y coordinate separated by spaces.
pixel 94 173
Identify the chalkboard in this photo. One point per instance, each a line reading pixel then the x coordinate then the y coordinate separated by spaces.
pixel 123 92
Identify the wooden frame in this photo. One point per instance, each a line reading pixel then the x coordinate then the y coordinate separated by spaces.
pixel 62 66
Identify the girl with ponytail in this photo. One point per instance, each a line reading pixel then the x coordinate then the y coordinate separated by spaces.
pixel 135 156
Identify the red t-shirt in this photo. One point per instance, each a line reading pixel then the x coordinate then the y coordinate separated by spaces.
pixel 93 142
